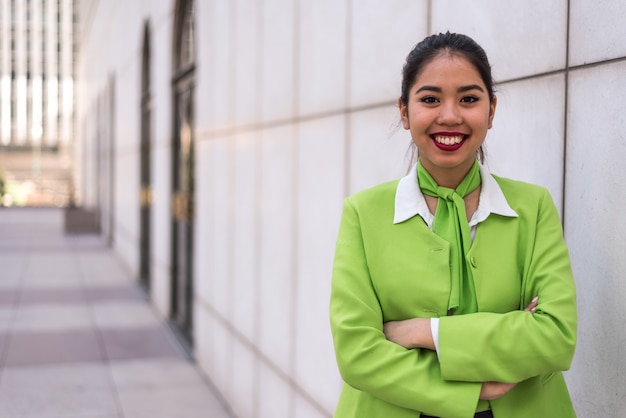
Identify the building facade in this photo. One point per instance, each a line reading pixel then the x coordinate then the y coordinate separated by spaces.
pixel 219 138
pixel 37 57
pixel 37 72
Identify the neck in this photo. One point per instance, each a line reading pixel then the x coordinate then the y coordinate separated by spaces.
pixel 450 178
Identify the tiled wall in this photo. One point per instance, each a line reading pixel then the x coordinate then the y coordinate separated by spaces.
pixel 595 194
pixel 296 109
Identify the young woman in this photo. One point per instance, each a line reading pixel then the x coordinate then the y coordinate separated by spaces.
pixel 452 291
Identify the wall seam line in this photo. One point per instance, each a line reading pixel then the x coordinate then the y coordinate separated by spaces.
pixel 565 111
pixel 258 153
pixel 291 403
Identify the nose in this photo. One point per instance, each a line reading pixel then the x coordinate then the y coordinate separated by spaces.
pixel 449 114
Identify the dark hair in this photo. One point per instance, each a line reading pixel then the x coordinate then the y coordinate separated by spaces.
pixel 451 43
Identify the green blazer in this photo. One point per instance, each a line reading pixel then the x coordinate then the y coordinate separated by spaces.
pixel 385 272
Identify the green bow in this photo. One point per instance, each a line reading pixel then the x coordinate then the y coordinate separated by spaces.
pixel 451 224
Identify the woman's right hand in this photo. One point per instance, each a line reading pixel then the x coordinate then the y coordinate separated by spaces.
pixel 494 390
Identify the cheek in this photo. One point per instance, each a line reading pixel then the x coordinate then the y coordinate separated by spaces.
pixel 479 120
pixel 420 120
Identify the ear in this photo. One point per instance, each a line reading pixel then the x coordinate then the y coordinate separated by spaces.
pixel 404 115
pixel 492 110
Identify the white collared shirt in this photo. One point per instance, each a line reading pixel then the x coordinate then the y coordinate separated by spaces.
pixel 411 202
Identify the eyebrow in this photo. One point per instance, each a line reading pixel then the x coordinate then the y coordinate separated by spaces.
pixel 461 89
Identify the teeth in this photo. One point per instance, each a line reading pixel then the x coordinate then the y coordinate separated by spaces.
pixel 449 140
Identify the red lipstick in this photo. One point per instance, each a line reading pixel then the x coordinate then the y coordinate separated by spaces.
pixel 448 141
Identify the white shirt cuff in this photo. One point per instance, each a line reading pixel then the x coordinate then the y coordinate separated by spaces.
pixel 434 330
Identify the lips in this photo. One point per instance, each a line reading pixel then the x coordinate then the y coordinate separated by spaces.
pixel 448 141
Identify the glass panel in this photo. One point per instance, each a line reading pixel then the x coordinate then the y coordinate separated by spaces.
pixel 146 189
pixel 183 170
pixel 187 36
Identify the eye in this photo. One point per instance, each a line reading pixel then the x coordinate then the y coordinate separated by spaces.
pixel 429 100
pixel 469 99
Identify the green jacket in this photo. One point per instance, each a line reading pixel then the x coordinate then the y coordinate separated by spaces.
pixel 385 272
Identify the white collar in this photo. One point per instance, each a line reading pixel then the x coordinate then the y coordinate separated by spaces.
pixel 410 200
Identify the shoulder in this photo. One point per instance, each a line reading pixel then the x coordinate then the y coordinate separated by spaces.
pixel 375 196
pixel 516 189
pixel 374 204
pixel 517 186
pixel 524 197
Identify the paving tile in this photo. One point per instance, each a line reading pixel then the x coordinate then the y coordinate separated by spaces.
pixel 140 343
pixel 3 340
pixel 6 317
pixel 9 282
pixel 57 280
pixel 8 296
pixel 78 336
pixel 12 265
pixel 74 390
pixel 115 292
pixel 20 402
pixel 77 376
pixel 53 317
pixel 102 268
pixel 179 402
pixel 125 314
pixel 155 373
pixel 71 294
pixel 50 266
pixel 27 348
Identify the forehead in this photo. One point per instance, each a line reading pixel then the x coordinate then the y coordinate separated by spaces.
pixel 448 69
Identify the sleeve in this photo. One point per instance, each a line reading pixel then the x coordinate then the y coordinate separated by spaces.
pixel 369 362
pixel 517 345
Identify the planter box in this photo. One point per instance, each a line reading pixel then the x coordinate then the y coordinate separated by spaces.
pixel 81 221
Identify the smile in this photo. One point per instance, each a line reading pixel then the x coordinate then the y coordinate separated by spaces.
pixel 448 139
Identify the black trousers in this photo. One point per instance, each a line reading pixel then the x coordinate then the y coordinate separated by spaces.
pixel 484 414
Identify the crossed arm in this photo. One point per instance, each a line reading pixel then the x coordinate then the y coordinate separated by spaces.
pixel 416 333
pixel 372 354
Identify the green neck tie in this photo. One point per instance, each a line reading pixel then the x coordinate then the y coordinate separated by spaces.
pixel 451 224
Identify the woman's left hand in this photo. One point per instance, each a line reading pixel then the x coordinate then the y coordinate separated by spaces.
pixel 416 332
pixel 410 333
pixel 532 305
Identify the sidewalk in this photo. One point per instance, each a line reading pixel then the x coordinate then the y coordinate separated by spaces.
pixel 78 339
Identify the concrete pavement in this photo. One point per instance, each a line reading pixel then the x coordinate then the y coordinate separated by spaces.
pixel 78 339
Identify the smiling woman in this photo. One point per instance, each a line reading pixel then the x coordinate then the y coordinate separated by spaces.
pixel 452 291
pixel 448 112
